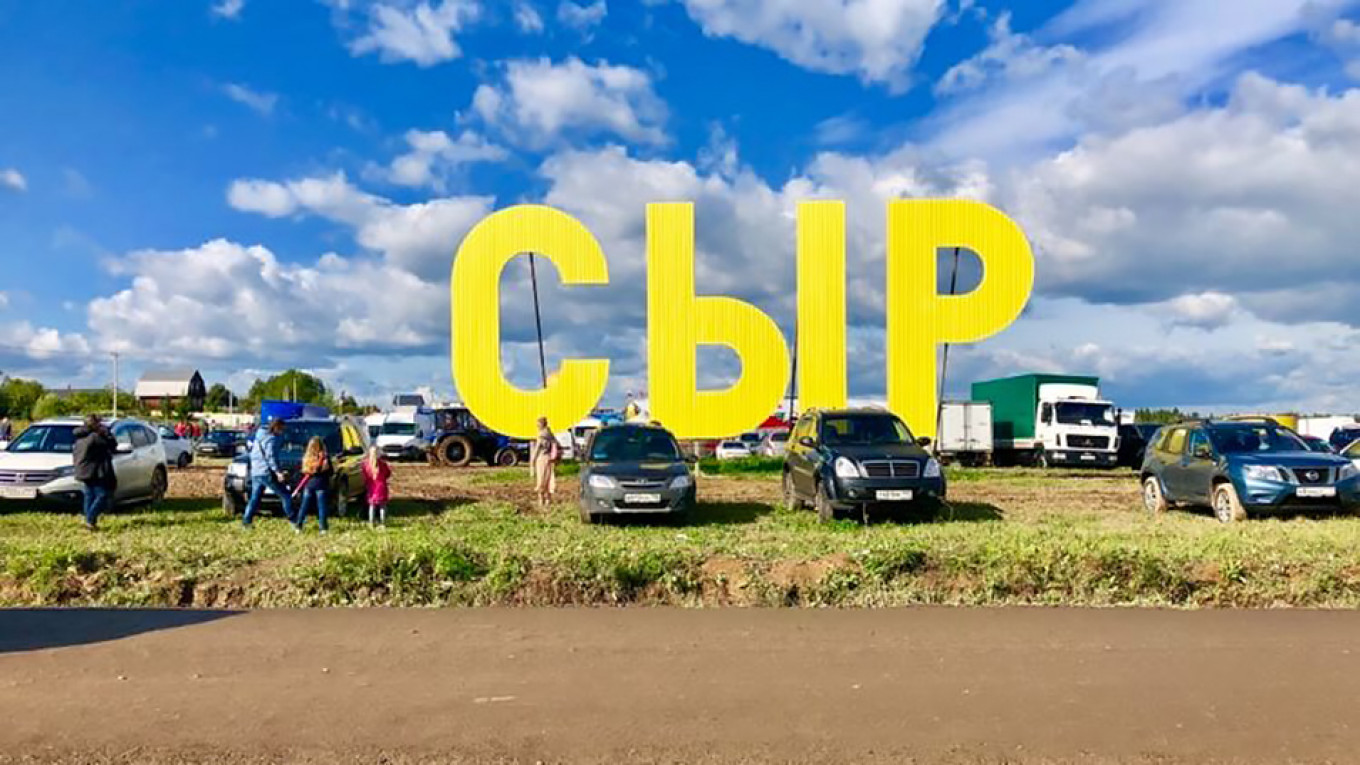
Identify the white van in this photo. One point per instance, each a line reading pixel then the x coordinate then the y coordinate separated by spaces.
pixel 406 434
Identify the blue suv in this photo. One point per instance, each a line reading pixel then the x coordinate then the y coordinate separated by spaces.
pixel 1236 467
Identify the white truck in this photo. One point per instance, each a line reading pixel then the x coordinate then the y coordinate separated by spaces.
pixel 405 434
pixel 965 432
pixel 1050 420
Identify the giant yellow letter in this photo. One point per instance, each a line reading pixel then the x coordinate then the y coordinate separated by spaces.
pixel 678 321
pixel 919 318
pixel 574 390
pixel 821 305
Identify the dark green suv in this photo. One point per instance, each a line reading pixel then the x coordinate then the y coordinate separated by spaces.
pixel 858 459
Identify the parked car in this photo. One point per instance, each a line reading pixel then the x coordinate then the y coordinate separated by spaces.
pixel 732 450
pixel 220 443
pixel 635 468
pixel 1343 437
pixel 776 444
pixel 38 464
pixel 1133 441
pixel 856 459
pixel 346 441
pixel 1237 468
pixel 1316 444
pixel 179 450
pixel 752 440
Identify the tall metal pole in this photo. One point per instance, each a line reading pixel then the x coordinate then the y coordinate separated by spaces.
pixel 538 322
pixel 944 364
pixel 793 371
pixel 115 385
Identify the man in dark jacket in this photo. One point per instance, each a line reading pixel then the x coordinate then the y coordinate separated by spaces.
pixel 93 453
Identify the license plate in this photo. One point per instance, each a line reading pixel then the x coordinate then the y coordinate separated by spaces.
pixel 1089 457
pixel 893 495
pixel 18 492
pixel 1317 491
pixel 642 499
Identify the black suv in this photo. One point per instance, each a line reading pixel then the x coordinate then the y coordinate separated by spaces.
pixel 855 459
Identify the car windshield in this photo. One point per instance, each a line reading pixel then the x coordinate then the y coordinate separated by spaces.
pixel 633 445
pixel 864 429
pixel 750 438
pixel 297 434
pixel 1077 413
pixel 45 439
pixel 732 445
pixel 780 437
pixel 1254 438
pixel 398 429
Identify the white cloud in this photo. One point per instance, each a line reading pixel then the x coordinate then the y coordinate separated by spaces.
pixel 539 102
pixel 259 101
pixel 841 129
pixel 876 40
pixel 527 18
pixel 1010 57
pixel 581 17
pixel 421 33
pixel 13 180
pixel 23 339
pixel 229 9
pixel 4 300
pixel 1206 310
pixel 434 154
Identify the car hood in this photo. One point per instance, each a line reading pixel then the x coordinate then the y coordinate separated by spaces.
pixel 1290 459
pixel 643 470
pixel 287 461
pixel 880 452
pixel 395 440
pixel 37 462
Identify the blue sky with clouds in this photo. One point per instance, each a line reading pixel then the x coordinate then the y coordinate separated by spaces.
pixel 245 186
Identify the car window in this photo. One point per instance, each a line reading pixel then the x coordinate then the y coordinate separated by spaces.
pixel 50 439
pixel 864 429
pixel 142 437
pixel 1197 441
pixel 1175 441
pixel 123 434
pixel 1246 439
pixel 633 445
pixel 1081 412
pixel 780 437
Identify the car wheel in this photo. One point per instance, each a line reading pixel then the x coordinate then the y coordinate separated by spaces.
pixel 825 512
pixel 342 499
pixel 790 493
pixel 588 517
pixel 507 457
pixel 1153 499
pixel 1227 507
pixel 455 451
pixel 1042 460
pixel 231 504
pixel 183 461
pixel 160 484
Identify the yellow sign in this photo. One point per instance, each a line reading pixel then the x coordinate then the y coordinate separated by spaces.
pixel 678 320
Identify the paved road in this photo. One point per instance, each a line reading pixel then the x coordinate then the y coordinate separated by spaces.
pixel 660 685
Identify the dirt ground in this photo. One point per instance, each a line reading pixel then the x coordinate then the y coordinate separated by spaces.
pixel 672 686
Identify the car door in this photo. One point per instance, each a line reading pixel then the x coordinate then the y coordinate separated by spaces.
pixel 798 457
pixel 131 484
pixel 1197 477
pixel 1171 456
pixel 349 465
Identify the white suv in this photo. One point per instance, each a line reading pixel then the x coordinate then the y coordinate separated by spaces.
pixel 37 465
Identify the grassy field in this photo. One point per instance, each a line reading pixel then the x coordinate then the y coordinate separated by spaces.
pixel 471 537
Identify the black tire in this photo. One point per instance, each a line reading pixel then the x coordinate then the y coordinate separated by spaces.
pixel 341 504
pixel 791 500
pixel 231 504
pixel 507 457
pixel 825 512
pixel 1227 507
pixel 455 451
pixel 588 517
pixel 183 461
pixel 160 484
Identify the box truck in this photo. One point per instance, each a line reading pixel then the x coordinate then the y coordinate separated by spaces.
pixel 965 432
pixel 1050 420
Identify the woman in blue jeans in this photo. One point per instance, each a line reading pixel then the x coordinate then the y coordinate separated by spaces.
pixel 317 470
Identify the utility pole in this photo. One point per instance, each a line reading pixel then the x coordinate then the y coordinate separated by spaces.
pixel 944 365
pixel 538 322
pixel 115 385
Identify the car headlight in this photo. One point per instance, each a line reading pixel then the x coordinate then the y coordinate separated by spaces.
pixel 846 468
pixel 1263 473
pixel 238 469
pixel 601 482
pixel 682 482
pixel 64 472
pixel 1347 471
pixel 932 468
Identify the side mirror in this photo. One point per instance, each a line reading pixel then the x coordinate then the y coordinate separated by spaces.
pixel 123 448
pixel 923 442
pixel 691 459
pixel 1203 453
pixel 807 442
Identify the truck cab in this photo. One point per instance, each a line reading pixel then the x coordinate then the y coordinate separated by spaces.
pixel 1075 429
pixel 406 434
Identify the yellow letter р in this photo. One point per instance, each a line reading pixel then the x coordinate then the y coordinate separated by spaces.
pixel 573 391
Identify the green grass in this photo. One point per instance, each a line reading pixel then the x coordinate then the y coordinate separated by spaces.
pixel 1023 539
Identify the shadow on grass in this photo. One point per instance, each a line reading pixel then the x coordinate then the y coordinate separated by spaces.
pixel 705 514
pixel 948 512
pixel 417 508
pixel 25 629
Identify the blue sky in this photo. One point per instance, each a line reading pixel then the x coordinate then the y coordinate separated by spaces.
pixel 245 186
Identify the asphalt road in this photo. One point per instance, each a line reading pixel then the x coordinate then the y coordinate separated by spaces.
pixel 661 685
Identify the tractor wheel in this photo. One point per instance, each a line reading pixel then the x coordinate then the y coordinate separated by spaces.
pixel 455 451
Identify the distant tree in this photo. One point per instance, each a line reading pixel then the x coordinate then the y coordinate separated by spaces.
pixel 52 405
pixel 309 389
pixel 348 405
pixel 220 398
pixel 17 397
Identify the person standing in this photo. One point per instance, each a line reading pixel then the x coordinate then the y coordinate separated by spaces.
pixel 545 454
pixel 377 475
pixel 6 429
pixel 92 454
pixel 265 472
pixel 317 471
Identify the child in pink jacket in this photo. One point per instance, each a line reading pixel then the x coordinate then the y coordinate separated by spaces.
pixel 377 475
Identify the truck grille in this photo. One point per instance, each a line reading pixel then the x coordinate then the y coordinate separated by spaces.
pixel 1312 476
pixel 892 469
pixel 1088 442
pixel 25 477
